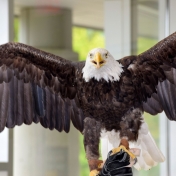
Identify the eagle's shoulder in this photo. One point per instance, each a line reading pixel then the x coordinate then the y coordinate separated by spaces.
pixel 127 61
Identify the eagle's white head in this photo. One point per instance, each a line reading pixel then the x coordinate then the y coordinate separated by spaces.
pixel 100 64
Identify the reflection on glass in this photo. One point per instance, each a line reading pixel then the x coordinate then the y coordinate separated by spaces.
pixel 4 146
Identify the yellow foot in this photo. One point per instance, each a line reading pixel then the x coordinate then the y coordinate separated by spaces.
pixel 121 147
pixel 94 173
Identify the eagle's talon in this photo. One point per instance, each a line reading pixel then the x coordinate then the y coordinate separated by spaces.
pixel 121 147
pixel 94 173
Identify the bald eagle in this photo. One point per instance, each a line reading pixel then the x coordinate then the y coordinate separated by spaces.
pixel 102 97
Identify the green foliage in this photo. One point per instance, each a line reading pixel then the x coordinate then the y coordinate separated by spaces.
pixel 144 44
pixel 86 39
pixel 16 29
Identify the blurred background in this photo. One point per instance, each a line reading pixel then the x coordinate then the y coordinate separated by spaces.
pixel 70 28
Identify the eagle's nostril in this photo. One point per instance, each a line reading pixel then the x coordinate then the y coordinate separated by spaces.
pixel 101 62
pixel 94 62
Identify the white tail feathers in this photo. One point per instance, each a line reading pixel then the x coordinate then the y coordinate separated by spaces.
pixel 150 154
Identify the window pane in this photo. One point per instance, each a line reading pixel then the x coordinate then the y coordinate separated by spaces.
pixel 4 141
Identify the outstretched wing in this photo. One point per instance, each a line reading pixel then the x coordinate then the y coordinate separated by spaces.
pixel 36 86
pixel 153 75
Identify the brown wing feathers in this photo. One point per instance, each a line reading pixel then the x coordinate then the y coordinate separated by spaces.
pixel 153 76
pixel 19 56
pixel 3 103
pixel 164 100
pixel 34 87
pixel 166 93
pixel 157 75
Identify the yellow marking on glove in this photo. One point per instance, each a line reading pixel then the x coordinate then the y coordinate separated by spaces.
pixel 121 147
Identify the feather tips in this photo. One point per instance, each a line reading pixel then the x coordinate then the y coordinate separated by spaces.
pixel 164 99
pixel 4 96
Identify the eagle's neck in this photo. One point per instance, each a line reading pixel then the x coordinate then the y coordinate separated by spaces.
pixel 109 72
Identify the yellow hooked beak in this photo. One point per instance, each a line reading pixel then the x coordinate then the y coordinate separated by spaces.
pixel 98 61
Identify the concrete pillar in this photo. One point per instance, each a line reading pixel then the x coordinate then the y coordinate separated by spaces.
pixel 118 27
pixel 6 137
pixel 47 29
pixel 39 151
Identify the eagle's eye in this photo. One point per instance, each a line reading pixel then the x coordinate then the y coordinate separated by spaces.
pixel 91 55
pixel 106 55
